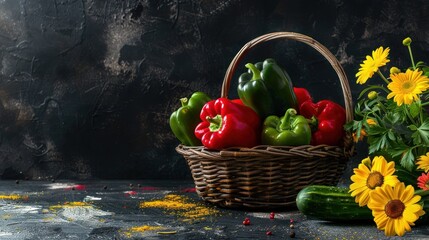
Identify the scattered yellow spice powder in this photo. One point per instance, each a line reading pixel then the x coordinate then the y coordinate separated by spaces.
pixel 171 201
pixel 144 228
pixel 181 206
pixel 68 205
pixel 76 204
pixel 13 197
pixel 140 229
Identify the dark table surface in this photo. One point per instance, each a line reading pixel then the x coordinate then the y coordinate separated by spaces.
pixel 123 210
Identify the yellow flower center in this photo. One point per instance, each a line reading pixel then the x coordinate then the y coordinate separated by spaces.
pixel 394 208
pixel 375 179
pixel 407 86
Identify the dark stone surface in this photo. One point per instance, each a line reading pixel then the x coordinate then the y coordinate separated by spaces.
pixel 87 86
pixel 44 210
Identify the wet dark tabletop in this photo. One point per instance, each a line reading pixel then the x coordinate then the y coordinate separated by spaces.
pixel 116 210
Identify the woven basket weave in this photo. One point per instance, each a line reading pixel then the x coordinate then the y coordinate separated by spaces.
pixel 268 176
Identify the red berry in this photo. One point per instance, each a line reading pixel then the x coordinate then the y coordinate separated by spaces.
pixel 269 233
pixel 272 215
pixel 246 221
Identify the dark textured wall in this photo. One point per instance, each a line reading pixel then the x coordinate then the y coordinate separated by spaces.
pixel 87 86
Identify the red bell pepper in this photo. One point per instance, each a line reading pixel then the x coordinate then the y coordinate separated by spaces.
pixel 238 100
pixel 330 118
pixel 302 95
pixel 226 123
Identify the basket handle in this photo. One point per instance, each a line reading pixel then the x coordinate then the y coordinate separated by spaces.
pixel 300 38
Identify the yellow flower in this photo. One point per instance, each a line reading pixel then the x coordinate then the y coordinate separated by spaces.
pixel 371 121
pixel 407 86
pixel 367 178
pixel 371 64
pixel 395 209
pixel 423 162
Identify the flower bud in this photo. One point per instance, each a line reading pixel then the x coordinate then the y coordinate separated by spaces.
pixel 372 95
pixel 406 41
pixel 394 70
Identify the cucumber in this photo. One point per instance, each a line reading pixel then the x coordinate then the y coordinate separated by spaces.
pixel 330 203
pixel 336 204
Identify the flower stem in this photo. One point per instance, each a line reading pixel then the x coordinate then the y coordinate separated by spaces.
pixel 383 77
pixel 381 105
pixel 411 56
pixel 409 115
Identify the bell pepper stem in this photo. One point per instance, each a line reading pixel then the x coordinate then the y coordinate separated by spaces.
pixel 184 101
pixel 285 122
pixel 313 122
pixel 255 71
pixel 215 123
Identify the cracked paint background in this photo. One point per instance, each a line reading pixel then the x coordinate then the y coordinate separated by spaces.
pixel 87 86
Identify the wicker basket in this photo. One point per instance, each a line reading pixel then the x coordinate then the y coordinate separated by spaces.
pixel 268 176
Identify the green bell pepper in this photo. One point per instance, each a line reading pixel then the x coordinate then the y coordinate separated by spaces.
pixel 267 89
pixel 290 130
pixel 184 120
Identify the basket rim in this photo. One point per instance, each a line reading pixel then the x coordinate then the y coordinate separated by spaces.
pixel 264 151
pixel 336 65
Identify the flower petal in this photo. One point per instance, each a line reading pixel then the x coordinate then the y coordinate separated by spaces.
pixel 399 227
pixel 409 215
pixel 389 230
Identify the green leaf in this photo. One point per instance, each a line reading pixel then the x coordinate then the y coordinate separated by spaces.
pixel 425 70
pixel 420 64
pixel 354 126
pixel 413 127
pixel 415 109
pixel 391 135
pixel 378 143
pixel 399 149
pixel 376 130
pixel 407 160
pixel 421 134
pixel 393 118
